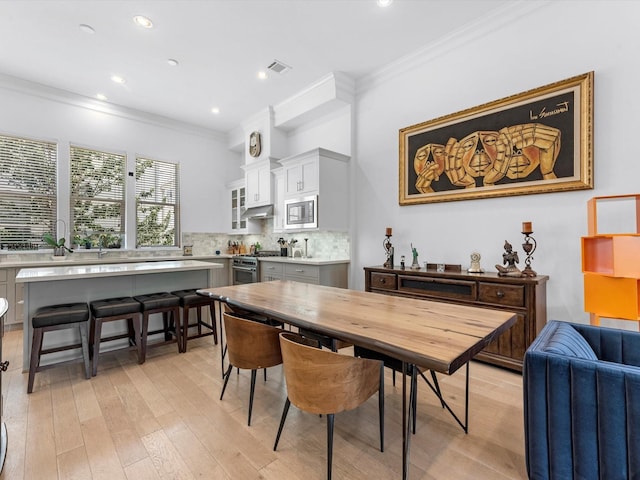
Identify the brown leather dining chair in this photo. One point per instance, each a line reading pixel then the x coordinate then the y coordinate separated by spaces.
pixel 323 382
pixel 250 345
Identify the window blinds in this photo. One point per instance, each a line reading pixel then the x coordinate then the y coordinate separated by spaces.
pixel 28 181
pixel 157 203
pixel 97 195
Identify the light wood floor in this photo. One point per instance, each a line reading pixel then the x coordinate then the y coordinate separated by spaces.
pixel 163 420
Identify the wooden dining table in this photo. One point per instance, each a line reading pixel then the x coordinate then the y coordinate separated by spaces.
pixel 438 336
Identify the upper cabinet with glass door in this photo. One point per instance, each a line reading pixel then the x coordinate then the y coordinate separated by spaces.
pixel 237 195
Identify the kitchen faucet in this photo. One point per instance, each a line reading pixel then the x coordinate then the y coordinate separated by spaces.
pixel 101 252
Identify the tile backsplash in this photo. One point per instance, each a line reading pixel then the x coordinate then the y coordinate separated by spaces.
pixel 329 245
pixel 323 244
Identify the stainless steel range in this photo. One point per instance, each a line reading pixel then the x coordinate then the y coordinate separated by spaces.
pixel 246 268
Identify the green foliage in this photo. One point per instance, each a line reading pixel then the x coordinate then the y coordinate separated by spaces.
pixel 52 242
pixel 155 227
pixel 155 222
pixel 97 180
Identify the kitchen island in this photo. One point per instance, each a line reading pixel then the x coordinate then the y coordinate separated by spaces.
pixel 84 283
pixel 10 265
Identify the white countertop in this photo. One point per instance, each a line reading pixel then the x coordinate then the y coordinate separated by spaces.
pixel 69 272
pixel 83 258
pixel 305 261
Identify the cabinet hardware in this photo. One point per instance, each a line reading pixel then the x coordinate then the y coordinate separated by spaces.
pixel 499 294
pixel 299 270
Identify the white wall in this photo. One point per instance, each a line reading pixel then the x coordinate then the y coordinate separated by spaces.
pixel 205 162
pixel 532 45
pixel 332 132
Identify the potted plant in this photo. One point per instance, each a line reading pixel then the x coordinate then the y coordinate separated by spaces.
pixel 59 248
pixel 77 241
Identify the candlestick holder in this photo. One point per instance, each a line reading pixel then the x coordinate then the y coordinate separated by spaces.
pixel 388 250
pixel 529 246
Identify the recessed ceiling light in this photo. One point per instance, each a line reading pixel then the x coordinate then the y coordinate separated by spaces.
pixel 102 97
pixel 173 62
pixel 262 75
pixel 86 28
pixel 117 79
pixel 143 21
pixel 384 3
pixel 215 110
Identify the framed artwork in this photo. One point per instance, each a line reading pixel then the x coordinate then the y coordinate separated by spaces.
pixel 538 141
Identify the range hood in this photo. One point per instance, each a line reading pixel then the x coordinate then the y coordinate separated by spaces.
pixel 258 213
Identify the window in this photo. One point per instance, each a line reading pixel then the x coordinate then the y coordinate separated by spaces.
pixel 157 203
pixel 97 196
pixel 28 180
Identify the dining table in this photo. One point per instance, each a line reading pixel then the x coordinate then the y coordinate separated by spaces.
pixel 438 336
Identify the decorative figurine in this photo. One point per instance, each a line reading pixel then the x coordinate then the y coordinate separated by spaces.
pixel 388 249
pixel 402 262
pixel 475 264
pixel 509 258
pixel 414 265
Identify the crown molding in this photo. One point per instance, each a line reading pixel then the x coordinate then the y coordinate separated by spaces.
pixel 457 39
pixel 330 92
pixel 26 87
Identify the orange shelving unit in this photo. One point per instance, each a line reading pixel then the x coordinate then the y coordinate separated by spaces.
pixel 611 260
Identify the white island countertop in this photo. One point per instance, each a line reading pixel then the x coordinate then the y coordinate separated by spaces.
pixel 70 272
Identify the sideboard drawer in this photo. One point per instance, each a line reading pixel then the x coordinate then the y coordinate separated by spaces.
pixel 438 287
pixel 386 281
pixel 511 295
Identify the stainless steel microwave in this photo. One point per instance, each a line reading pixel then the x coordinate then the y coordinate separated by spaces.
pixel 301 212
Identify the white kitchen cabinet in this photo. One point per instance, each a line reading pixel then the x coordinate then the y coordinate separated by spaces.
pixel 259 183
pixel 326 174
pixel 301 177
pixel 237 195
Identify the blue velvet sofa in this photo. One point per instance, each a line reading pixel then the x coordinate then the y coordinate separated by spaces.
pixel 581 388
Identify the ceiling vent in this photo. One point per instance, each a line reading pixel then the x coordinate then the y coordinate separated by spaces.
pixel 279 67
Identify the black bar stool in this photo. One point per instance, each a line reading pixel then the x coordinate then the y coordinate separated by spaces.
pixel 165 303
pixel 190 299
pixel 110 310
pixel 58 317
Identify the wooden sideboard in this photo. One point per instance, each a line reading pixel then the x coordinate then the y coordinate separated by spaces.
pixel 526 296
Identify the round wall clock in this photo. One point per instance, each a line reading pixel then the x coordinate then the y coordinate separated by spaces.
pixel 254 144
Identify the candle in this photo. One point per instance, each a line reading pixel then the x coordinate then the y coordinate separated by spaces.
pixel 388 234
pixel 526 227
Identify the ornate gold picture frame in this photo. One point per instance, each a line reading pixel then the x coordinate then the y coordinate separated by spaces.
pixel 539 141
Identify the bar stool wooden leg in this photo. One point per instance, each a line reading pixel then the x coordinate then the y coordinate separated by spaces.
pixel 136 320
pixel 85 349
pixel 96 328
pixel 36 348
pixel 143 336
